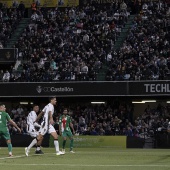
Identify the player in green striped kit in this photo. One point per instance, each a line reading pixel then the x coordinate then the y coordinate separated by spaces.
pixel 4 132
pixel 65 131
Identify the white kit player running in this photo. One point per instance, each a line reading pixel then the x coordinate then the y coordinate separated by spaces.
pixel 31 125
pixel 46 127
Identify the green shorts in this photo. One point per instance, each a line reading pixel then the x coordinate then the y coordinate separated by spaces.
pixel 67 134
pixel 5 134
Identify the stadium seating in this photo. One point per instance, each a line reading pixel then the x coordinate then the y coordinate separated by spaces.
pixel 145 53
pixel 84 44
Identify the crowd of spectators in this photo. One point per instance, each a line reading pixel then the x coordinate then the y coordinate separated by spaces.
pixel 74 43
pixel 145 54
pixel 9 19
pixel 106 119
pixel 87 119
pixel 69 44
pixel 119 119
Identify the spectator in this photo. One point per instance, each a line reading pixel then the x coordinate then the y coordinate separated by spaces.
pixel 1 46
pixel 123 6
pixel 15 4
pixel 129 131
pixel 33 6
pixel 20 110
pixel 6 76
pixel 82 122
pixel 34 17
pixel 21 8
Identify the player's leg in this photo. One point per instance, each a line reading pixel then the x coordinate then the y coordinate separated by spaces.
pixel 54 134
pixel 34 135
pixel 70 135
pixel 39 142
pixel 7 137
pixel 43 130
pixel 27 149
pixel 36 141
pixel 64 136
pixel 9 147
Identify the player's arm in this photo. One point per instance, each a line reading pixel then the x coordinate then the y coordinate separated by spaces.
pixel 51 117
pixel 60 126
pixel 39 116
pixel 37 125
pixel 15 125
pixel 59 130
pixel 72 127
pixel 33 119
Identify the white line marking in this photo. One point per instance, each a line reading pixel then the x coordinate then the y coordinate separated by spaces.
pixel 20 156
pixel 78 165
pixel 13 157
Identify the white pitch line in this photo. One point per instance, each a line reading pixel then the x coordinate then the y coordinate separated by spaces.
pixel 81 165
pixel 20 156
pixel 12 157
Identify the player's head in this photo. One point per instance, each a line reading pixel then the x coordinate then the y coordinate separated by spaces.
pixel 65 111
pixel 36 108
pixel 53 100
pixel 2 107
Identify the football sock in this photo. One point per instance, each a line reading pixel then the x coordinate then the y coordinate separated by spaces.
pixel 38 148
pixel 64 144
pixel 32 144
pixel 9 147
pixel 56 144
pixel 71 144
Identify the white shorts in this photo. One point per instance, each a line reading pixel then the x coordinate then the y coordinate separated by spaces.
pixel 32 132
pixel 46 129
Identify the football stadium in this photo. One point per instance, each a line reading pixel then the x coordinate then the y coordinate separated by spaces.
pixel 85 84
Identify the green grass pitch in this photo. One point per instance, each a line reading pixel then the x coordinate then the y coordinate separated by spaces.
pixel 87 159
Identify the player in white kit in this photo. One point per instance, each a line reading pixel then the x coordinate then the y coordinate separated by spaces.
pixel 31 125
pixel 46 127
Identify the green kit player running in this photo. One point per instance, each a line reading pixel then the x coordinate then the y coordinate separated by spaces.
pixel 64 129
pixel 4 132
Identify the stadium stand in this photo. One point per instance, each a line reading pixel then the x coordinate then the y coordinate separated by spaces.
pixel 145 53
pixel 68 45
pixel 88 43
pixel 9 19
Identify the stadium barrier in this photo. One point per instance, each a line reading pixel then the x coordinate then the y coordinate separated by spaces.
pixel 162 140
pixel 117 142
pixel 134 142
pixel 78 89
pixel 19 140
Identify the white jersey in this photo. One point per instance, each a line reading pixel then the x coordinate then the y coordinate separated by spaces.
pixel 48 108
pixel 45 125
pixel 32 116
